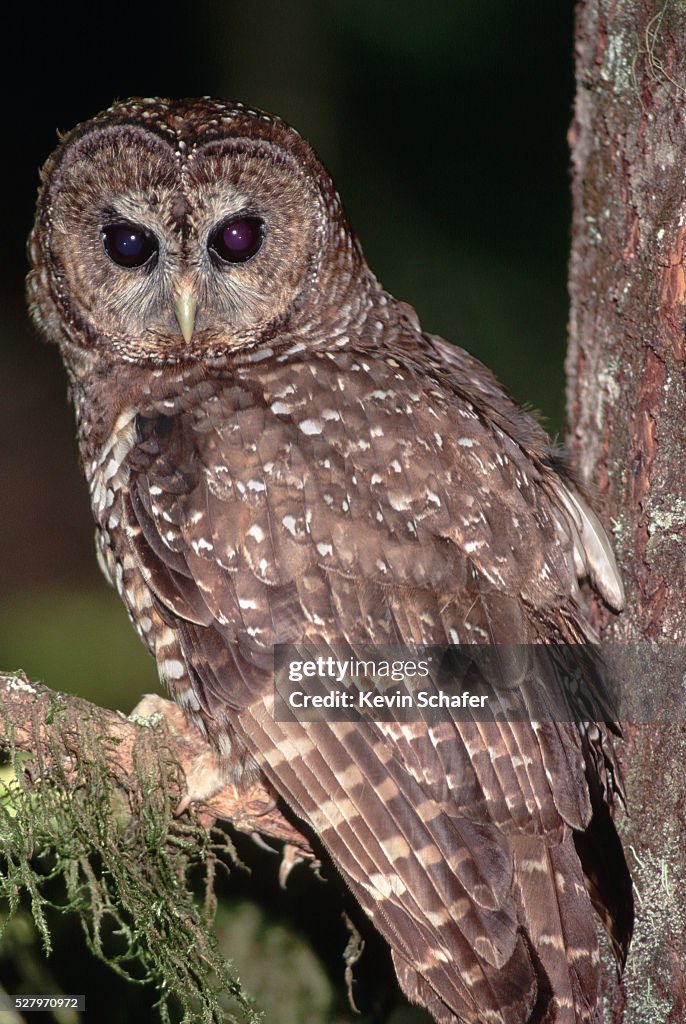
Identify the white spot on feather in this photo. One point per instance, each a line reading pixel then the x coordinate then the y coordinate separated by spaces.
pixel 310 426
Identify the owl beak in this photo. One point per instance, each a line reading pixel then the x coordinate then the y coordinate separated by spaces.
pixel 185 306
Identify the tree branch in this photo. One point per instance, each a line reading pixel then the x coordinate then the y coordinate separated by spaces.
pixel 56 729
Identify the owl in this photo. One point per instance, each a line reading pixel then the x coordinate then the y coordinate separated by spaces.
pixel 277 453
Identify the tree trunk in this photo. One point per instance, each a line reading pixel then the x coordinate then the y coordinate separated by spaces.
pixel 627 409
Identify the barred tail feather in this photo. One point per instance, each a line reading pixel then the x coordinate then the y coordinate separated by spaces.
pixel 558 918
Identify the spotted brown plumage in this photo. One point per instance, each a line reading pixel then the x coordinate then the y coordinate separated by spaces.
pixel 277 453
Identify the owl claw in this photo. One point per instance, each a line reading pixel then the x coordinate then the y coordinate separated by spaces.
pixel 290 856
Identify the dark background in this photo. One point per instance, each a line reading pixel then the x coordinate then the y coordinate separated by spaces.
pixel 443 123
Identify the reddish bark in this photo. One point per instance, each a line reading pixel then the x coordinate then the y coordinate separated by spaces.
pixel 627 407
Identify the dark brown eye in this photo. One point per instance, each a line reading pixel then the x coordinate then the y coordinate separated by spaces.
pixel 129 245
pixel 236 241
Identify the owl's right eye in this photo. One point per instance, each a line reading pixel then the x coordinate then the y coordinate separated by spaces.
pixel 129 245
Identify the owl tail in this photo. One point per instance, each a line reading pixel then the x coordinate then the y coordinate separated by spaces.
pixel 558 918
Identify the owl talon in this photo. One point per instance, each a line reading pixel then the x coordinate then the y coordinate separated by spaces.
pixel 291 856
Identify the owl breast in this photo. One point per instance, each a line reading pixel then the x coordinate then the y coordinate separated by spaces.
pixel 332 482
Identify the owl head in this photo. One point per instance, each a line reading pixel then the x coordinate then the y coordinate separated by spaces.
pixel 172 231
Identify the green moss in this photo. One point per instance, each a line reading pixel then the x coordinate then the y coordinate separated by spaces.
pixel 110 845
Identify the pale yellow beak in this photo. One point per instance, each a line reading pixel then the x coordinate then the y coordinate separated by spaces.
pixel 185 306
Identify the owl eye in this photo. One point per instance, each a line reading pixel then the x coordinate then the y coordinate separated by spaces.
pixel 235 241
pixel 128 245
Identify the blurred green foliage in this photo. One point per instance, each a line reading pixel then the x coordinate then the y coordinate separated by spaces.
pixel 79 642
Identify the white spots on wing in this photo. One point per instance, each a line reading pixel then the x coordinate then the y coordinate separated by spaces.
pixel 438 439
pixel 433 498
pixel 292 351
pixel 387 884
pixel 465 442
pixel 288 389
pixel 111 469
pixel 395 466
pixel 281 409
pixel 345 506
pixel 466 411
pixel 187 699
pixel 473 545
pixel 247 603
pixel 256 485
pixel 330 414
pixel 453 636
pixel 291 524
pixel 382 395
pixel 256 532
pixel 411 527
pixel 399 502
pixel 172 668
pixel 310 427
pixel 201 545
pixel 258 355
pixel 379 517
pixel 155 490
pixel 376 431
pixel 376 478
pixel 324 549
pixel 381 565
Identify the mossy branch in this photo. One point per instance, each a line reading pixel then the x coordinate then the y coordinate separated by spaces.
pixel 98 808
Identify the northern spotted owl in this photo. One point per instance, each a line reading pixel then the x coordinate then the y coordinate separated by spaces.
pixel 278 453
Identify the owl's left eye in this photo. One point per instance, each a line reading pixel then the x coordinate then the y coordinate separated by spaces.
pixel 129 245
pixel 235 241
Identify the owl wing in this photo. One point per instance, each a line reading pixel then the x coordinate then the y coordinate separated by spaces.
pixel 256 522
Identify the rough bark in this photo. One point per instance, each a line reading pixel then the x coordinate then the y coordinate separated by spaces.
pixel 627 408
